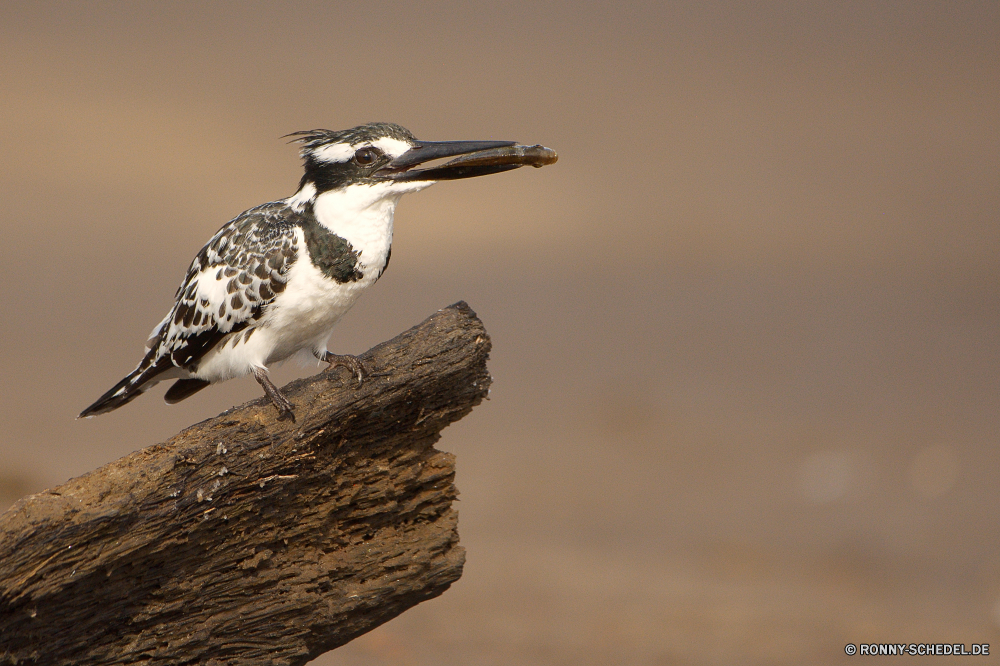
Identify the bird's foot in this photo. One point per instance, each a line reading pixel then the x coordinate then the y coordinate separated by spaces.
pixel 352 363
pixel 280 401
pixel 284 407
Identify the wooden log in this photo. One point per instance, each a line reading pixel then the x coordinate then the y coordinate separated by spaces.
pixel 249 540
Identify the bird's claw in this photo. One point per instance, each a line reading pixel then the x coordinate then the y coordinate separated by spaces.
pixel 352 363
pixel 278 399
pixel 285 412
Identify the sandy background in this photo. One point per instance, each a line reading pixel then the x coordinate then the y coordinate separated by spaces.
pixel 747 367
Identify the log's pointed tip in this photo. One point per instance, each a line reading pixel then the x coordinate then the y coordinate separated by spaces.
pixel 463 308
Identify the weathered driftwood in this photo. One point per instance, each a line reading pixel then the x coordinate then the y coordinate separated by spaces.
pixel 248 540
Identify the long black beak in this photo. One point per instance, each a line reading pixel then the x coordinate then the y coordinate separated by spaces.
pixel 475 158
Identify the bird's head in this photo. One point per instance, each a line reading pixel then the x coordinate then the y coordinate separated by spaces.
pixel 383 154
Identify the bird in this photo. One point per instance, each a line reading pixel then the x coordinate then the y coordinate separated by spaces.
pixel 272 283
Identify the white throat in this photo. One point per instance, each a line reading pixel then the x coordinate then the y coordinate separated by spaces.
pixel 362 215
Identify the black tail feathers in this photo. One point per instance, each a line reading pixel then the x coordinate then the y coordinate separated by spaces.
pixel 131 387
pixel 183 388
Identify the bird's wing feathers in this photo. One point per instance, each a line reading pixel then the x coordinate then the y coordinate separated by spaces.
pixel 228 288
pixel 231 282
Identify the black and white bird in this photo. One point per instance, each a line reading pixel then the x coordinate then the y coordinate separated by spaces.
pixel 273 282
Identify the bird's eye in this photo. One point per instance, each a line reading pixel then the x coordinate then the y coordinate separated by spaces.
pixel 367 156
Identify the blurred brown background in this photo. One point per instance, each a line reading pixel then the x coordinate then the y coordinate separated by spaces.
pixel 746 403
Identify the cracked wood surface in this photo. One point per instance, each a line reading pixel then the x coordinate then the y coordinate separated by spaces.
pixel 248 540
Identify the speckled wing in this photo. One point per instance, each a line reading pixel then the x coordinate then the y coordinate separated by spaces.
pixel 229 286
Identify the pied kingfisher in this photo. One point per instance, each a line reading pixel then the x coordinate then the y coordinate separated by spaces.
pixel 273 282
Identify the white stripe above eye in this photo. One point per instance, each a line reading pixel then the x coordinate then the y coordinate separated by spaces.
pixel 343 152
pixel 335 152
pixel 391 147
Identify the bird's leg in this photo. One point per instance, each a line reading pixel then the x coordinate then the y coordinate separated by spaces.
pixel 352 363
pixel 280 401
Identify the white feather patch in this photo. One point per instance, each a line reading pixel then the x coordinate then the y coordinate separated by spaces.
pixel 298 200
pixel 334 152
pixel 392 147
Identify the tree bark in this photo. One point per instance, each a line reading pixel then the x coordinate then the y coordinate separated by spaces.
pixel 248 540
